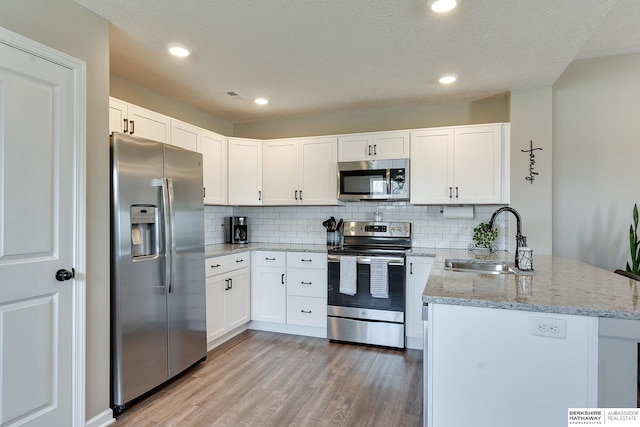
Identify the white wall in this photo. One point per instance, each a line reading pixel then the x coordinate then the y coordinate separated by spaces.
pixel 68 27
pixel 596 149
pixel 531 121
pixel 489 110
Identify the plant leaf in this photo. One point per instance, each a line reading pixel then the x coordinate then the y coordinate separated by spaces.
pixel 635 215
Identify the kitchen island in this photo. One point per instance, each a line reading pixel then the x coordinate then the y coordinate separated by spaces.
pixel 521 349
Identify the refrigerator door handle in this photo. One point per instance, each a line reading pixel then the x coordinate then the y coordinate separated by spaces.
pixel 172 230
pixel 167 235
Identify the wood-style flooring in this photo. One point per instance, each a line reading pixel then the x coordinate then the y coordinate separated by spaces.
pixel 269 379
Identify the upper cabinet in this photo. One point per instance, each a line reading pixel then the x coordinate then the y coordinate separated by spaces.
pixel 373 146
pixel 213 148
pixel 460 165
pixel 134 120
pixel 184 135
pixel 245 172
pixel 300 171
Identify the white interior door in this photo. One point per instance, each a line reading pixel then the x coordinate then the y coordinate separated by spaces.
pixel 41 225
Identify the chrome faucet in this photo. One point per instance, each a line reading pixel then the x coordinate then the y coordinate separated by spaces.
pixel 520 239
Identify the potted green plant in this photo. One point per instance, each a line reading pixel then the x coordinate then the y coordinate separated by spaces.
pixel 633 268
pixel 634 244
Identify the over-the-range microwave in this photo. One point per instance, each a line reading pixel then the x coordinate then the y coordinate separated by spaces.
pixel 374 180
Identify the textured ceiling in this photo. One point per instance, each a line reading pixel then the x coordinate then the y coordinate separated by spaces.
pixel 310 56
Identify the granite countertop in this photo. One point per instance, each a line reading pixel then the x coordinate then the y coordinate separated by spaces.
pixel 228 248
pixel 558 285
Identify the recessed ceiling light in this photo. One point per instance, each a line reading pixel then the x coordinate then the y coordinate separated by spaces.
pixel 442 6
pixel 448 79
pixel 178 50
pixel 261 101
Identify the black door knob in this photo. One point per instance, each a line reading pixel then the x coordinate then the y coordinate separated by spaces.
pixel 62 275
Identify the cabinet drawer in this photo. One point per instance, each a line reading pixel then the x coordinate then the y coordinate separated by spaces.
pixel 307 283
pixel 225 263
pixel 307 260
pixel 306 311
pixel 269 258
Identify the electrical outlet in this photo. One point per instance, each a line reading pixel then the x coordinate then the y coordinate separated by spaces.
pixel 549 327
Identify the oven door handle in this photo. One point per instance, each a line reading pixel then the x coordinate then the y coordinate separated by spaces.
pixel 367 260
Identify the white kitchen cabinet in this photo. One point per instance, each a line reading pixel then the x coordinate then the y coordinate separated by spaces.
pixel 268 287
pixel 460 165
pixel 318 170
pixel 417 274
pixel 184 135
pixel 490 362
pixel 300 171
pixel 280 172
pixel 138 121
pixel 227 294
pixel 373 146
pixel 307 289
pixel 244 177
pixel 213 148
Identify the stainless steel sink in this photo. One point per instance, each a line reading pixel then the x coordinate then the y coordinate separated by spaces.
pixel 478 266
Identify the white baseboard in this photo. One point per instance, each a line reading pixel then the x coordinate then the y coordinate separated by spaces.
pixel 226 337
pixel 415 343
pixel 308 331
pixel 103 419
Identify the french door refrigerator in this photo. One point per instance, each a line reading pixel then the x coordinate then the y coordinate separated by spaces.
pixel 158 314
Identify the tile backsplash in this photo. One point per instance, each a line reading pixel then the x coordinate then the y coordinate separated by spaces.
pixel 303 224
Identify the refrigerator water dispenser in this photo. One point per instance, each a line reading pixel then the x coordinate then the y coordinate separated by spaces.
pixel 143 231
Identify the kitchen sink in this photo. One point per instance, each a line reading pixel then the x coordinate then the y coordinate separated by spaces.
pixel 478 266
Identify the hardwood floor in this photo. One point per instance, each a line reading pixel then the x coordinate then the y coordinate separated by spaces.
pixel 268 379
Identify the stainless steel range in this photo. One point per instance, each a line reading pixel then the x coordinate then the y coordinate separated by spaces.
pixel 366 300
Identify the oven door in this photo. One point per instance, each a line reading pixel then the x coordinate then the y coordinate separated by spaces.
pixel 363 304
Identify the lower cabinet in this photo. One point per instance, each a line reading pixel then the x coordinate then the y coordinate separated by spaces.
pixel 268 287
pixel 289 292
pixel 307 289
pixel 228 294
pixel 417 274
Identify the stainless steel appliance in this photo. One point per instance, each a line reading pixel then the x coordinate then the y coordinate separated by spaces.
pixel 158 313
pixel 366 281
pixel 374 180
pixel 236 229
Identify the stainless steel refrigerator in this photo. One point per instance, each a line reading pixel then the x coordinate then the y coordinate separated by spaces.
pixel 158 313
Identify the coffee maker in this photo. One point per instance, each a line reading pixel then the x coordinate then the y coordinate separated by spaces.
pixel 236 229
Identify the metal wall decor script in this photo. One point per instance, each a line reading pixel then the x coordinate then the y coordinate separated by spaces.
pixel 532 161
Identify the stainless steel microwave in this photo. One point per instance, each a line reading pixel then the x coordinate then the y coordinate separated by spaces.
pixel 374 180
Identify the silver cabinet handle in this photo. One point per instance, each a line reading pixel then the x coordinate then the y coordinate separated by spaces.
pixel 300 194
pixel 269 259
pixel 240 260
pixel 296 196
pixel 369 149
pixel 126 126
pixel 259 195
pixel 375 149
pixel 410 268
pixel 450 192
pixel 226 284
pixel 305 311
pixel 132 126
pixel 216 266
pixel 306 260
pixel 305 283
pixel 230 283
pixel 282 279
pixel 456 192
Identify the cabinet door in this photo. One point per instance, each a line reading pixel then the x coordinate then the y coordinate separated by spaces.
pixel 355 147
pixel 185 135
pixel 431 168
pixel 238 299
pixel 268 295
pixel 390 145
pixel 478 164
pixel 117 115
pixel 148 124
pixel 245 172
pixel 318 174
pixel 280 172
pixel 417 274
pixel 213 148
pixel 216 307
